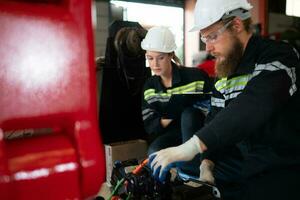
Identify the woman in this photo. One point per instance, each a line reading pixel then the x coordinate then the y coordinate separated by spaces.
pixel 175 98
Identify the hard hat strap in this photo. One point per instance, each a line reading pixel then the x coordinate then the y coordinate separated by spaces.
pixel 243 14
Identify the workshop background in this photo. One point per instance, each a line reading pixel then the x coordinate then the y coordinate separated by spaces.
pixel 61 127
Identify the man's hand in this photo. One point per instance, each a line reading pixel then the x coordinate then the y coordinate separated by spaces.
pixel 165 122
pixel 206 171
pixel 163 160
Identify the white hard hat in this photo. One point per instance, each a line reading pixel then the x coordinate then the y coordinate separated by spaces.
pixel 159 39
pixel 208 12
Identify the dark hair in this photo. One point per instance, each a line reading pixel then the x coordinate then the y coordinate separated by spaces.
pixel 247 24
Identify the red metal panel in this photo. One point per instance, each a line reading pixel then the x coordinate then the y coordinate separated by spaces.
pixel 5 182
pixel 43 167
pixel 263 16
pixel 47 82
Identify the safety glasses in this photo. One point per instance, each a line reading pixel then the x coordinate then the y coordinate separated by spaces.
pixel 213 37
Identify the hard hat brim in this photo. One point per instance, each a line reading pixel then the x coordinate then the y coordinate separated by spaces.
pixel 195 28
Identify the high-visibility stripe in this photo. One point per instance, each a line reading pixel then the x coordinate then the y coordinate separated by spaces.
pixel 220 84
pixel 147 113
pixel 191 87
pixel 159 99
pixel 149 91
pixel 233 87
pixel 275 66
pixel 150 96
pixel 217 102
pixel 225 86
pixel 297 53
pixel 232 95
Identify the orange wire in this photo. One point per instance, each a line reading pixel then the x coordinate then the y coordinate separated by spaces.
pixel 140 166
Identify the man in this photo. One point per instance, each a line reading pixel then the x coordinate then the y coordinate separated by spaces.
pixel 253 130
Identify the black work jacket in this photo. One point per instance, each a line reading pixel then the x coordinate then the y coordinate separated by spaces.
pixel 255 112
pixel 159 102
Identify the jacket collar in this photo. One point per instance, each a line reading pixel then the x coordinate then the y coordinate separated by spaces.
pixel 247 61
pixel 176 78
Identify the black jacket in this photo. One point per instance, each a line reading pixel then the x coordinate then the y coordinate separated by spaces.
pixel 255 112
pixel 161 102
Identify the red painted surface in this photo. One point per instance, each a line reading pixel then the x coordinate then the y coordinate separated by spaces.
pixel 260 14
pixel 263 16
pixel 47 84
pixel 209 67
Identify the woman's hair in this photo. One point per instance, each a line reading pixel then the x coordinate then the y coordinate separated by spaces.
pixel 175 59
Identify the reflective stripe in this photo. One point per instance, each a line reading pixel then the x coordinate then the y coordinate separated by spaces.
pixel 274 66
pixel 156 99
pixel 232 95
pixel 217 102
pixel 233 87
pixel 148 92
pixel 220 84
pixel 147 113
pixel 236 88
pixel 150 96
pixel 196 86
pixel 225 86
pixel 297 53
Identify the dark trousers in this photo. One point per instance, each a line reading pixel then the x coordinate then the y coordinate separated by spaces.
pixel 276 184
pixel 191 120
pixel 171 137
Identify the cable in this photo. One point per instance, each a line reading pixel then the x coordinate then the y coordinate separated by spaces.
pixel 136 170
pixel 128 197
pixel 120 182
pixel 140 166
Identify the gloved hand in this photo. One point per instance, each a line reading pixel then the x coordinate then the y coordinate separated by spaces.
pixel 206 171
pixel 161 161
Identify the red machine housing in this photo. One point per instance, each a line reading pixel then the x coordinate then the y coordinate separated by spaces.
pixel 49 139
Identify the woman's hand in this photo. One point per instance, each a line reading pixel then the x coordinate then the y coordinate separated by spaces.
pixel 165 122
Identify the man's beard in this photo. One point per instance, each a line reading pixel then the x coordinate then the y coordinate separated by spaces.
pixel 228 65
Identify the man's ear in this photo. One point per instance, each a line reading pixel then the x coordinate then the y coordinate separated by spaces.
pixel 237 25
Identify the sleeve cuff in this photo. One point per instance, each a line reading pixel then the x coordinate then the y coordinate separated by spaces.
pixel 208 137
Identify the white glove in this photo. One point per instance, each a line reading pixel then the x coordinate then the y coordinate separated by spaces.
pixel 206 171
pixel 163 160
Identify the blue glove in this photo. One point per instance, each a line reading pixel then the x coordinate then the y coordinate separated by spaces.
pixel 156 172
pixel 161 161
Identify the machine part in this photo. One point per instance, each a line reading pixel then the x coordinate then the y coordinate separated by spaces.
pixel 140 184
pixel 25 133
pixel 121 77
pixel 214 190
pixel 128 39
